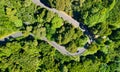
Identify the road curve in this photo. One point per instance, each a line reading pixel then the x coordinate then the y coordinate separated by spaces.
pixel 72 21
pixel 12 35
pixel 62 49
pixel 61 14
pixel 8 37
pixel 68 18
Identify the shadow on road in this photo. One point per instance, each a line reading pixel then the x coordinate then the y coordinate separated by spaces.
pixel 5 40
pixel 87 31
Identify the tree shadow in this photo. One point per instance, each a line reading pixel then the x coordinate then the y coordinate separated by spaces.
pixel 39 11
pixel 101 55
pixel 46 3
pixel 76 15
pixel 12 39
pixel 6 40
pixel 92 57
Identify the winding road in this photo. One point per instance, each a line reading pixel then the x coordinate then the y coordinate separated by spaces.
pixel 12 35
pixel 72 21
pixel 65 17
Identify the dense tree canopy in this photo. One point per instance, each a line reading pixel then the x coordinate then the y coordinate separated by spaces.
pixel 29 53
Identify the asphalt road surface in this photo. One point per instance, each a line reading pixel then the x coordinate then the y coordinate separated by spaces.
pixel 58 47
pixel 72 21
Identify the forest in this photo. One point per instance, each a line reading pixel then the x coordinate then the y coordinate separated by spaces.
pixel 31 54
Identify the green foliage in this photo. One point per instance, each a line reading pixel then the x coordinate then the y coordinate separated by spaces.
pixel 30 54
pixel 58 6
pixel 11 15
pixel 15 58
pixel 68 34
pixel 39 32
pixel 101 16
pixel 81 41
pixel 6 26
pixel 92 49
pixel 101 29
pixel 114 16
pixel 50 15
pixel 71 47
pixel 57 22
pixel 115 35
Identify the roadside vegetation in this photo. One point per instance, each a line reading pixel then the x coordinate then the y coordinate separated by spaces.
pixel 31 54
